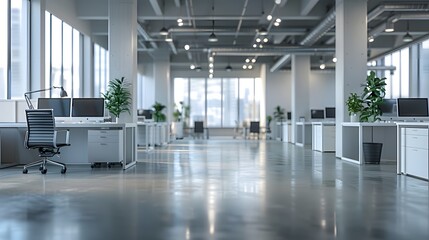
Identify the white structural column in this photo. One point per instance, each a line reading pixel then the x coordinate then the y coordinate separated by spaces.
pixel 260 91
pixel 300 90
pixel 123 48
pixel 161 75
pixel 37 73
pixel 351 52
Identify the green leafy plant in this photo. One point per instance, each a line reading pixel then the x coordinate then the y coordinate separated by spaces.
pixel 279 114
pixel 354 104
pixel 117 97
pixel 372 97
pixel 269 119
pixel 157 113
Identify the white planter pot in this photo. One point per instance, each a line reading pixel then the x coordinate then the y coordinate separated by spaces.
pixel 177 129
pixel 354 118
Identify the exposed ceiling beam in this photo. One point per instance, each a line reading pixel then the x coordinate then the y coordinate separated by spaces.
pixel 177 3
pixel 282 61
pixel 225 18
pixel 156 7
pixel 307 6
pixel 146 36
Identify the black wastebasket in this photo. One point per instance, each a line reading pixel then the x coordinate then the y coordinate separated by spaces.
pixel 372 152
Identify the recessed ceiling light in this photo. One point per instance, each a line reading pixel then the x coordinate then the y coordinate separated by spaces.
pixel 180 24
pixel 278 1
pixel 278 20
pixel 276 24
pixel 211 70
pixel 255 45
pixel 192 66
pixel 247 60
pixel 244 66
pixel 211 75
pixel 265 40
pixel 258 40
pixel 210 65
pixel 261 46
pixel 179 20
pixel 253 60
pixel 249 67
pixel 269 17
pixel 370 39
pixel 334 59
pixel 322 66
pixel 211 59
pixel 187 47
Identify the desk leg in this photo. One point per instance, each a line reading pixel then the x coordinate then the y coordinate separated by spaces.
pixel 130 147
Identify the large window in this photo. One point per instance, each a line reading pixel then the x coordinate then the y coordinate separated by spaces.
pixel 220 102
pixel 101 70
pixel 397 81
pixel 13 48
pixel 63 56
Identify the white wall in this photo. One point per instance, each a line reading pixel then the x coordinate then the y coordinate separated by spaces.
pixel 278 91
pixel 322 89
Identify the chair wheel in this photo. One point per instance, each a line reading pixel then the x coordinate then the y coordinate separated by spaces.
pixel 44 171
pixel 40 168
pixel 25 171
pixel 64 170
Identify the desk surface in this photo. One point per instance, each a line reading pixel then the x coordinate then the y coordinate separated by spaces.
pixel 74 125
pixel 367 124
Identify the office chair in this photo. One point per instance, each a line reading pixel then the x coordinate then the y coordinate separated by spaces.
pixel 41 135
pixel 198 128
pixel 254 128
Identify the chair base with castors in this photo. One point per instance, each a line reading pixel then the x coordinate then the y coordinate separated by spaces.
pixel 44 153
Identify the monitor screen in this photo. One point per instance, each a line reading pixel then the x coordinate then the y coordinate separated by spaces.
pixel 388 108
pixel 317 113
pixel 330 112
pixel 88 107
pixel 413 107
pixel 289 115
pixel 60 106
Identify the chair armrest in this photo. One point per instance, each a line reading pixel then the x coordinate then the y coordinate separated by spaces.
pixel 63 136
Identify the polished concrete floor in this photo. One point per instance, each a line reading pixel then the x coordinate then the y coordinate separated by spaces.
pixel 216 189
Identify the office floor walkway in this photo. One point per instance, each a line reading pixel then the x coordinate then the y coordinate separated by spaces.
pixel 216 189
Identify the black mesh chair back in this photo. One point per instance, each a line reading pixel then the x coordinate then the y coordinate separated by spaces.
pixel 42 135
pixel 254 128
pixel 198 128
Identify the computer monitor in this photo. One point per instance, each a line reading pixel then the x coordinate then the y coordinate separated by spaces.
pixel 317 113
pixel 329 112
pixel 90 109
pixel 60 106
pixel 289 115
pixel 388 108
pixel 413 107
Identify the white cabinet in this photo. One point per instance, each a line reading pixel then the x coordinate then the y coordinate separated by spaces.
pixel 286 131
pixel 414 152
pixel 323 137
pixel 105 146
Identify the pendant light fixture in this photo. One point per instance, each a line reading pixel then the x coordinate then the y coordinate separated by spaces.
pixel 407 37
pixel 164 30
pixel 212 37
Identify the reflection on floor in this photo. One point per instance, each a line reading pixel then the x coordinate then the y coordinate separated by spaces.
pixel 216 189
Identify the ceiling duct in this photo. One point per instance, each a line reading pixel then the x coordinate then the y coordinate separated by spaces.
pixel 274 51
pixel 329 22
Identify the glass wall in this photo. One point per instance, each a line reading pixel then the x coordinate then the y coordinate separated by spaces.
pixel 62 56
pixel 13 48
pixel 220 102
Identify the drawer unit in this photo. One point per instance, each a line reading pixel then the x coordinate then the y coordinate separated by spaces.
pixel 105 146
pixel 417 162
pixel 414 152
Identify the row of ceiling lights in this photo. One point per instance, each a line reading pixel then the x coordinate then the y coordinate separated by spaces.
pixel 390 28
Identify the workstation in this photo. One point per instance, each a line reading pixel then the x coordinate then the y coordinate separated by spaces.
pixel 221 66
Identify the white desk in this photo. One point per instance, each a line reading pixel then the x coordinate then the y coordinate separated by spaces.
pixel 412 149
pixel 14 152
pixel 146 135
pixel 323 136
pixel 303 133
pixel 355 133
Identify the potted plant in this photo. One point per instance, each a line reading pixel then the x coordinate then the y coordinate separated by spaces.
pixel 372 97
pixel 279 114
pixel 117 97
pixel 158 116
pixel 269 119
pixel 177 124
pixel 354 106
